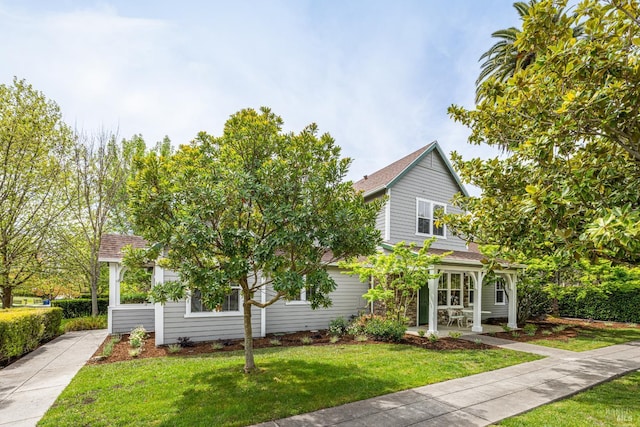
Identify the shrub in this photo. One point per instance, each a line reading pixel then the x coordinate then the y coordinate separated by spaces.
pixel 137 337
pixel 334 339
pixel 515 334
pixel 421 333
pixel 338 326
pixel 434 338
pixel 505 327
pixel 72 308
pixel 217 346
pixel 361 338
pixel 306 340
pixel 85 323
pixel 22 330
pixel 174 348
pixel 385 329
pixel 275 342
pixel 455 334
pixel 530 329
pixel 547 332
pixel 559 328
pixel 185 342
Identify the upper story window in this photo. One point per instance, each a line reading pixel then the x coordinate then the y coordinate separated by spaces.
pixel 428 213
pixel 231 303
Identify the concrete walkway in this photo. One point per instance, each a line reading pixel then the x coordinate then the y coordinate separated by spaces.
pixel 29 386
pixel 486 398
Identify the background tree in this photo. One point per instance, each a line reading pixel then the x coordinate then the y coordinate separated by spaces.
pixel 505 58
pixel 398 275
pixel 569 127
pixel 253 207
pixel 33 142
pixel 96 188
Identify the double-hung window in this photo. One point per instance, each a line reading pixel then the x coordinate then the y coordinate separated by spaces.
pixel 450 290
pixel 500 292
pixel 428 215
pixel 230 305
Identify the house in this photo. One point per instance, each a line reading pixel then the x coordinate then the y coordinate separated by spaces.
pixel 418 189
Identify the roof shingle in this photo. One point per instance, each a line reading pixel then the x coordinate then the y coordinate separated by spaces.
pixel 381 178
pixel 112 244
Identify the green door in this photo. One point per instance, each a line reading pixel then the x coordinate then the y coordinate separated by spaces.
pixel 423 305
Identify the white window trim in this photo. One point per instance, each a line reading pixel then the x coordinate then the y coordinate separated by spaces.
pixel 237 313
pixel 431 206
pixel 448 289
pixel 503 290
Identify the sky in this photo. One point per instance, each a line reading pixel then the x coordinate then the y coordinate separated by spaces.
pixel 376 75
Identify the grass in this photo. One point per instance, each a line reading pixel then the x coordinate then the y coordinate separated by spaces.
pixel 590 339
pixel 609 404
pixel 212 390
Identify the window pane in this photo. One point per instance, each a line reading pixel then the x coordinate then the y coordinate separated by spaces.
pixel 438 213
pixel 442 297
pixel 423 209
pixel 196 301
pixel 499 296
pixel 456 281
pixel 424 225
pixel 232 301
pixel 442 281
pixel 455 297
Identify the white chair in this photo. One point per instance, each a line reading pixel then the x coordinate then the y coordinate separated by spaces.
pixel 455 316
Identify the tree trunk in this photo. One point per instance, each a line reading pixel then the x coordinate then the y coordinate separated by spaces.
pixel 249 363
pixel 6 297
pixel 94 271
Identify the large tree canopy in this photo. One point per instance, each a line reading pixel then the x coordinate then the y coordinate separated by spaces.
pixel 252 207
pixel 569 125
pixel 33 145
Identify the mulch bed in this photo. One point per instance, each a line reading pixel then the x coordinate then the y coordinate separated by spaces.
pixel 121 349
pixel 573 328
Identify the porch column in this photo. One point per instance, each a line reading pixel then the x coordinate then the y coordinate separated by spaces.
pixel 433 305
pixel 158 308
pixel 477 302
pixel 114 292
pixel 512 320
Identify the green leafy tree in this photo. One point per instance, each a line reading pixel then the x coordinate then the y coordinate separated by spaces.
pixel 504 58
pixel 569 126
pixel 253 207
pixel 96 196
pixel 398 275
pixel 33 144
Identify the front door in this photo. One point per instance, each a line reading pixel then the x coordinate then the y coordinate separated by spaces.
pixel 423 305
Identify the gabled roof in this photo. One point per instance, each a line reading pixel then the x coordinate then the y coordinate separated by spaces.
pixel 389 175
pixel 111 246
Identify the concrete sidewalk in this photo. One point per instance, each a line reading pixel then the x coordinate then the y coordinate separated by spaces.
pixel 29 386
pixel 486 398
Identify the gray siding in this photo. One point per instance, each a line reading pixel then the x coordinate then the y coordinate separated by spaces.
pixel 431 180
pixel 489 303
pixel 204 328
pixel 124 319
pixel 347 301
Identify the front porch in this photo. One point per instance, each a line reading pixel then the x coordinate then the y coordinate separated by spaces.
pixel 443 330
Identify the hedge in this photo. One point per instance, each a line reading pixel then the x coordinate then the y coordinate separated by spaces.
pixel 589 302
pixel 23 329
pixel 72 308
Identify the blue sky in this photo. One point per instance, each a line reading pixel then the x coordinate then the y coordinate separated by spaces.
pixel 378 76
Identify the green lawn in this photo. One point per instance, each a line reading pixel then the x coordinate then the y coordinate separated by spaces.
pixel 611 404
pixel 590 339
pixel 212 390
